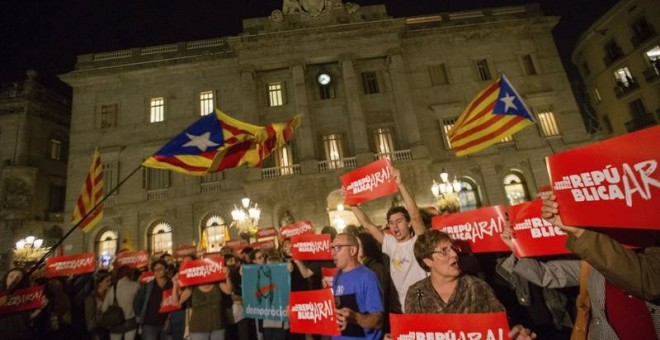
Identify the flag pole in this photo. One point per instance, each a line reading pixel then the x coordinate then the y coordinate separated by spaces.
pixel 59 242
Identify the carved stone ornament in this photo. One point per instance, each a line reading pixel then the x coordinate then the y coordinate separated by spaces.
pixel 276 16
pixel 17 194
pixel 313 8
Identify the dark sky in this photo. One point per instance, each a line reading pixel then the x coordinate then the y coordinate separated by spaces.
pixel 47 35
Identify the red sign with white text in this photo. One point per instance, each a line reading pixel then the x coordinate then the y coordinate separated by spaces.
pixel 185 250
pixel 327 276
pixel 449 326
pixel 70 265
pixel 201 271
pixel 146 277
pixel 479 229
pixel 369 182
pixel 234 244
pixel 22 299
pixel 295 229
pixel 166 304
pixel 535 236
pixel 266 233
pixel 311 247
pixel 313 312
pixel 133 259
pixel 263 245
pixel 614 183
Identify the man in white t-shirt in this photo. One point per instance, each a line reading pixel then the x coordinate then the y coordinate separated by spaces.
pixel 404 269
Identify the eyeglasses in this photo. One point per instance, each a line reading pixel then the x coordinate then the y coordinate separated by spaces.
pixel 445 251
pixel 337 248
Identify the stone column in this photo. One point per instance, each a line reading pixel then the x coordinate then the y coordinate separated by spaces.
pixel 356 119
pixel 249 94
pixel 304 134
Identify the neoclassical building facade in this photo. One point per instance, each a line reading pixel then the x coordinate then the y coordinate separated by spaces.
pixel 368 86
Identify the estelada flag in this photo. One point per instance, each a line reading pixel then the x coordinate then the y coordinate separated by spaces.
pixel 70 264
pixel 295 229
pixel 166 304
pixel 133 259
pixel 613 184
pixel 369 182
pixel 313 312
pixel 535 236
pixel 217 142
pixel 311 247
pixel 476 230
pixel 201 271
pixel 90 195
pixel 22 299
pixel 449 326
pixel 497 112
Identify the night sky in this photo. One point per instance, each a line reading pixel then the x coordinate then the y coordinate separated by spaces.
pixel 47 35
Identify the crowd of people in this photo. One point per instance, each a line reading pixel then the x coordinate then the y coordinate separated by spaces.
pixel 404 267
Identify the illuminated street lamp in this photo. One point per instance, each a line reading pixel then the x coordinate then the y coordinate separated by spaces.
pixel 446 193
pixel 246 218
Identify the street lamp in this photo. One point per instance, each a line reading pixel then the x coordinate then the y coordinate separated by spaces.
pixel 338 221
pixel 446 193
pixel 246 217
pixel 29 250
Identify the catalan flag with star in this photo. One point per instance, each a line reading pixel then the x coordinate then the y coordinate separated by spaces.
pixel 218 142
pixel 497 112
pixel 90 195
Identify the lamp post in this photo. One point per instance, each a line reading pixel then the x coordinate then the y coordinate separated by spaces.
pixel 246 218
pixel 446 193
pixel 28 250
pixel 338 221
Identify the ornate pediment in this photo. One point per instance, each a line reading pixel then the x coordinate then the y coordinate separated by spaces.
pixel 312 8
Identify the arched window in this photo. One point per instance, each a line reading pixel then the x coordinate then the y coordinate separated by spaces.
pixel 106 246
pixel 515 187
pixel 213 229
pixel 469 194
pixel 160 238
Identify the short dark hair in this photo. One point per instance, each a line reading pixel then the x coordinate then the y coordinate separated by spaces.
pixel 425 245
pixel 254 253
pixel 394 210
pixel 370 247
pixel 161 262
pixel 247 250
pixel 329 230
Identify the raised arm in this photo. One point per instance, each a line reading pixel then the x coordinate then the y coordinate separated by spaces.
pixel 411 205
pixel 367 224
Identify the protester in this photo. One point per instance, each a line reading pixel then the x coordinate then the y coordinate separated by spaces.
pixel 178 317
pixel 16 326
pixel 125 290
pixel 257 256
pixel 93 303
pixel 275 329
pixel 404 270
pixel 148 300
pixel 359 297
pixel 57 314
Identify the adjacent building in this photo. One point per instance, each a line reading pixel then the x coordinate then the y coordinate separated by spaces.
pixel 368 85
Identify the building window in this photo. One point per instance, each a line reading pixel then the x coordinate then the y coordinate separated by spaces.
pixel 57 197
pixel 438 74
pixel 155 179
pixel 106 247
pixel 653 58
pixel 507 139
pixel 214 234
pixel 528 65
pixel 642 31
pixel 284 160
pixel 585 69
pixel 157 110
pixel 276 94
pixel 110 174
pixel 108 116
pixel 597 97
pixel 547 122
pixel 55 149
pixel 515 187
pixel 623 77
pixel 483 70
pixel 206 103
pixel 637 108
pixel 160 238
pixel 334 151
pixel 447 124
pixel 468 196
pixel 370 82
pixel 326 91
pixel 383 142
pixel 612 52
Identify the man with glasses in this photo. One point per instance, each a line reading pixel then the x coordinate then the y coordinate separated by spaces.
pixel 358 299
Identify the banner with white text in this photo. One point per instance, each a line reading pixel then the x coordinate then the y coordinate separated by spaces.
pixel 266 291
pixel 201 271
pixel 295 229
pixel 369 182
pixel 311 247
pixel 478 230
pixel 22 299
pixel 70 264
pixel 449 326
pixel 133 259
pixel 313 312
pixel 535 236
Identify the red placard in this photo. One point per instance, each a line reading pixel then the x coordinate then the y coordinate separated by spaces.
pixel 201 271
pixel 369 182
pixel 215 254
pixel 166 304
pixel 311 247
pixel 236 244
pixel 133 259
pixel 479 230
pixel 313 312
pixel 535 236
pixel 185 250
pixel 614 183
pixel 146 277
pixel 544 192
pixel 264 245
pixel 266 233
pixel 295 229
pixel 23 299
pixel 449 326
pixel 70 265
pixel 327 276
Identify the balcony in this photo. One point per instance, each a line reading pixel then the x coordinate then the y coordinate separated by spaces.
pixel 623 89
pixel 652 74
pixel 612 55
pixel 344 163
pixel 280 171
pixel 399 155
pixel 640 122
pixel 156 194
pixel 643 35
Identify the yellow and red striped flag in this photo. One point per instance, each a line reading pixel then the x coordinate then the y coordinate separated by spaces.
pixel 497 112
pixel 90 194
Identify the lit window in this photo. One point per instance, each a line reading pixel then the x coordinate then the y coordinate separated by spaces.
pixel 154 179
pixel 157 110
pixel 383 142
pixel 507 139
pixel 334 152
pixel 623 77
pixel 597 97
pixel 447 124
pixel 106 247
pixel 284 160
pixel 370 82
pixel 528 65
pixel 276 95
pixel 55 149
pixel 468 195
pixel 515 187
pixel 438 74
pixel 547 122
pixel 215 228
pixel 161 238
pixel 483 70
pixel 206 104
pixel 108 116
pixel 653 58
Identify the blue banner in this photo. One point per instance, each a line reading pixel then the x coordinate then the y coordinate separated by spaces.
pixel 266 291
